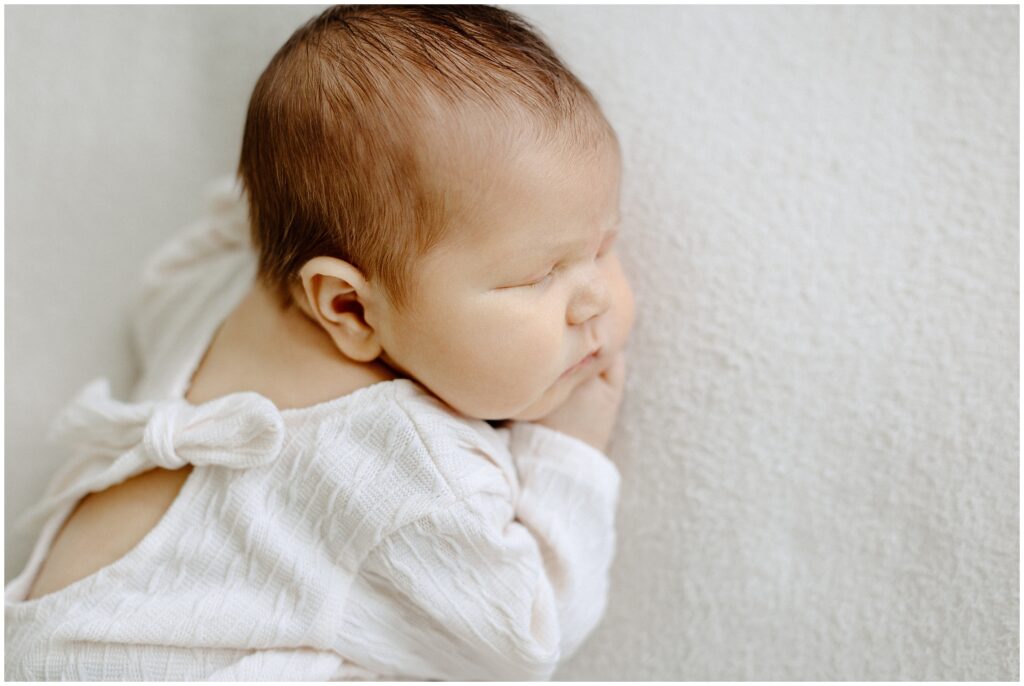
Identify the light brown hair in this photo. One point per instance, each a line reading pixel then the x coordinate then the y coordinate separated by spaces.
pixel 331 153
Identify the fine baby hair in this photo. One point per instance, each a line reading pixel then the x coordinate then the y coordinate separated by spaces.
pixel 337 150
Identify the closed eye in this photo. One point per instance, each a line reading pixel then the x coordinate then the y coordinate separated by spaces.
pixel 536 283
pixel 606 247
pixel 541 281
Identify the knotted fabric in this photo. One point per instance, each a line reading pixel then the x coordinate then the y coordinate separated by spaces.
pixel 112 441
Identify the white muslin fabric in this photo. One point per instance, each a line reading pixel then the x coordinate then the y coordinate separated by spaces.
pixel 376 535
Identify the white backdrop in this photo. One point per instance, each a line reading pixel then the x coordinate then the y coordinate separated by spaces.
pixel 820 439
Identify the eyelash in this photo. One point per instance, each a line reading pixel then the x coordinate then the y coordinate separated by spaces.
pixel 544 279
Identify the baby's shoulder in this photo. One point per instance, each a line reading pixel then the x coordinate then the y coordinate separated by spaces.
pixel 398 432
pixel 389 456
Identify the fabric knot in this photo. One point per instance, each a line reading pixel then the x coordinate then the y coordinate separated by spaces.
pixel 112 441
pixel 162 431
pixel 240 430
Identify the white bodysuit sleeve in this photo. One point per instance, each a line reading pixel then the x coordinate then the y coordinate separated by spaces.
pixel 500 585
pixel 569 493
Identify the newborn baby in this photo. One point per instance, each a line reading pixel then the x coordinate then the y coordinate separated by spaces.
pixel 385 461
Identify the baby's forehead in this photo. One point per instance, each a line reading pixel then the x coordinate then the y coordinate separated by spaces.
pixel 466 169
pixel 467 137
pixel 494 178
pixel 529 202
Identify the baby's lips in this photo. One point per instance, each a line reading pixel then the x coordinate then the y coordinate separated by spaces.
pixel 603 360
pixel 615 371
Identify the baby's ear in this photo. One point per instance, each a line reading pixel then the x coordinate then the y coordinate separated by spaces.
pixel 334 292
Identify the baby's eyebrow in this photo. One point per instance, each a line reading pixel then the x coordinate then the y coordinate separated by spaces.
pixel 559 249
pixel 535 256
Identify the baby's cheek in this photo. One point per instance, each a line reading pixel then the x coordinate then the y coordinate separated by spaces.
pixel 628 316
pixel 509 365
pixel 525 356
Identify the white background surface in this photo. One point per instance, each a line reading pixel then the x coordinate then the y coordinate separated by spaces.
pixel 819 442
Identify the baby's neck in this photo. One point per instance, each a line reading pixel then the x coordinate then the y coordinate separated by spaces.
pixel 282 355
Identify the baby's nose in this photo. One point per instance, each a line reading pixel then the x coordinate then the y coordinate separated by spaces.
pixel 592 300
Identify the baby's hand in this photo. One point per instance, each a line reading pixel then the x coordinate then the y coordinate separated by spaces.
pixel 590 411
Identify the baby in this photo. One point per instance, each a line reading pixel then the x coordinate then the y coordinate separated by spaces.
pixel 368 440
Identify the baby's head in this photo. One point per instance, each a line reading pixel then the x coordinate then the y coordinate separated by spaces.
pixel 439 193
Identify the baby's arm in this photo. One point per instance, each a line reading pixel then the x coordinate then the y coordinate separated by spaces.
pixel 550 466
pixel 567 501
pixel 498 585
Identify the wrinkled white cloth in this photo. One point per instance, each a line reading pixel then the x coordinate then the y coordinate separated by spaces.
pixel 376 535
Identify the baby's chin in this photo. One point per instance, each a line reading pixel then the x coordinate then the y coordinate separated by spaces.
pixel 532 412
pixel 550 399
pixel 553 398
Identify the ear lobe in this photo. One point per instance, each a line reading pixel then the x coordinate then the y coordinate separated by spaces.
pixel 334 291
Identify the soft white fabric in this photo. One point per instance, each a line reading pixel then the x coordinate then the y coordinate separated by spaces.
pixel 374 534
